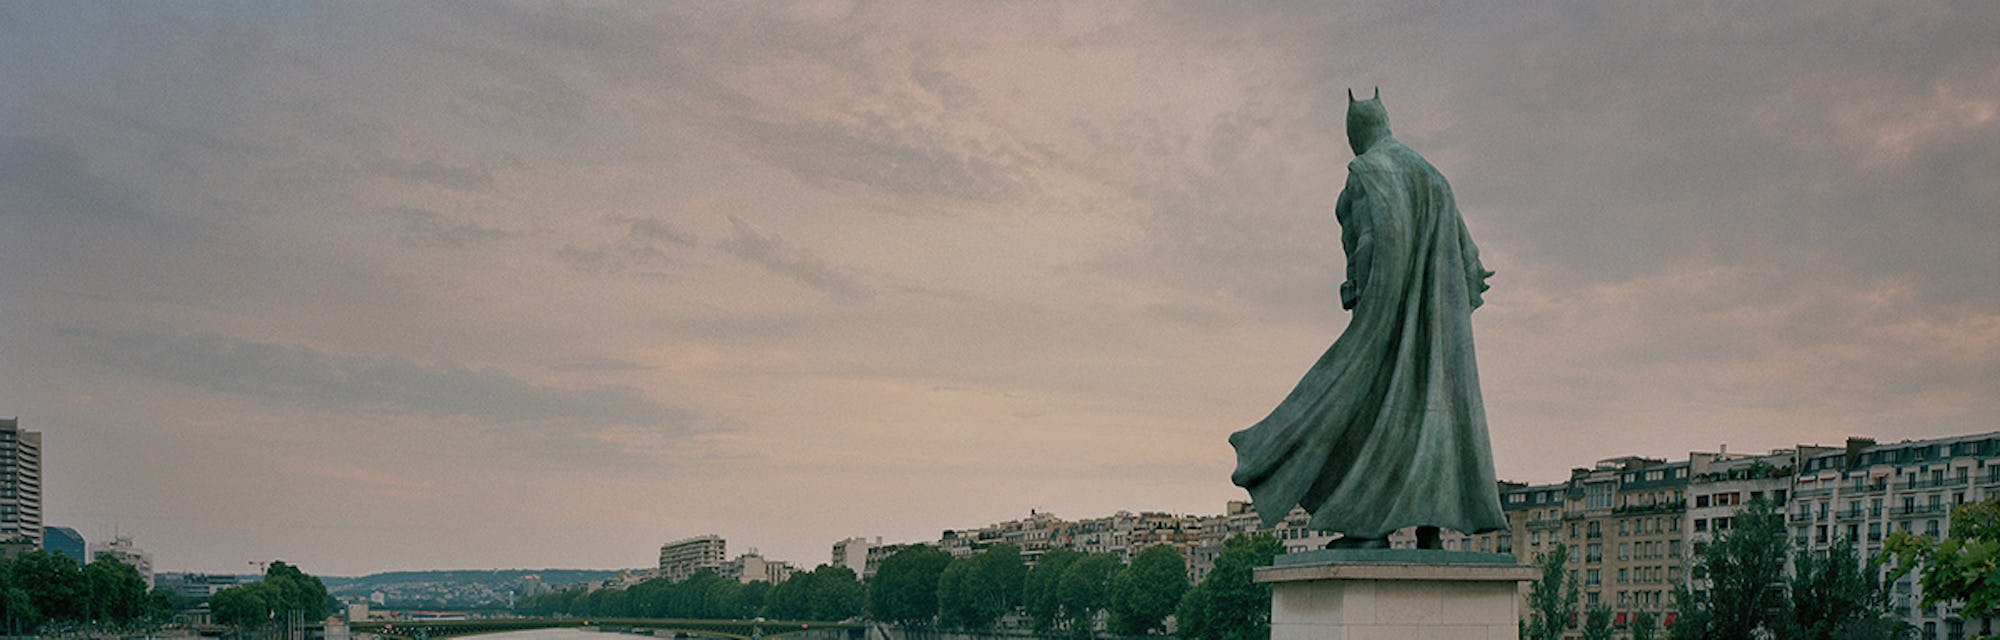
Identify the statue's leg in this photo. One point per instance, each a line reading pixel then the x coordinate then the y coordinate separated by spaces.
pixel 1353 542
pixel 1429 538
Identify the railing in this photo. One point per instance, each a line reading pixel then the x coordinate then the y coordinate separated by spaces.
pixel 1914 485
pixel 1918 510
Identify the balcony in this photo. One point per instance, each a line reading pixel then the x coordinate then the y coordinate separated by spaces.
pixel 1935 483
pixel 1847 515
pixel 1919 510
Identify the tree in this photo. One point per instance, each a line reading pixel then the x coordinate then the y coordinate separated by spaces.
pixel 1228 605
pixel 297 592
pixel 242 606
pixel 1959 567
pixel 1745 572
pixel 750 600
pixel 113 592
pixel 18 614
pixel 837 594
pixel 954 596
pixel 1146 591
pixel 689 598
pixel 1645 626
pixel 1085 590
pixel 1040 590
pixel 1597 623
pixel 974 591
pixel 905 587
pixel 284 592
pixel 1836 596
pixel 52 584
pixel 1552 600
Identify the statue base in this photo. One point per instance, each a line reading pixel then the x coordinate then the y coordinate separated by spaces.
pixel 1366 594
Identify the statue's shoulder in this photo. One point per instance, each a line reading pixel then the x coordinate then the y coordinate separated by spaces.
pixel 1389 157
pixel 1375 161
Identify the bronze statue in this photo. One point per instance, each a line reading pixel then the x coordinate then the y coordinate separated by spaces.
pixel 1387 430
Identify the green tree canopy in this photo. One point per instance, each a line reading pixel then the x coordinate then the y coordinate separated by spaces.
pixel 1040 590
pixel 1744 569
pixel 1597 623
pixel 976 590
pixel 1146 591
pixel 1960 567
pixel 1645 626
pixel 1228 605
pixel 1836 596
pixel 905 587
pixel 245 605
pixel 284 591
pixel 1084 590
pixel 836 594
pixel 1552 599
pixel 53 585
pixel 114 592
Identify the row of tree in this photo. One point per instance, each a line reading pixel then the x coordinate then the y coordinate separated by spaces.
pixel 825 593
pixel 46 591
pixel 1066 592
pixel 1746 592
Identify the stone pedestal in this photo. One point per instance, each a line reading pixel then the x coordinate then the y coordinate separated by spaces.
pixel 1404 594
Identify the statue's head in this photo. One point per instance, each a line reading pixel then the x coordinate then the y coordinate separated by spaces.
pixel 1367 121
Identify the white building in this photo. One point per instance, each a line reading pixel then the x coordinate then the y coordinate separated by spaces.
pixel 853 554
pixel 752 567
pixel 1865 491
pixel 681 559
pixel 120 548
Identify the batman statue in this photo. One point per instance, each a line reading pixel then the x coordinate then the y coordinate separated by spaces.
pixel 1387 430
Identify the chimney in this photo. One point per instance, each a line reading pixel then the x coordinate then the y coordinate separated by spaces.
pixel 1854 447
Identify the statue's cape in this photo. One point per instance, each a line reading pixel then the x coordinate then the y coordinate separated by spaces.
pixel 1387 430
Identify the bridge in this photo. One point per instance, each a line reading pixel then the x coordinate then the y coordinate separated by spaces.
pixel 657 627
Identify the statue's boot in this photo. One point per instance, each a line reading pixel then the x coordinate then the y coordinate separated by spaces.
pixel 1351 542
pixel 1429 538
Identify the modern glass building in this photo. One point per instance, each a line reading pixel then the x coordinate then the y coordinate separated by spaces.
pixel 64 541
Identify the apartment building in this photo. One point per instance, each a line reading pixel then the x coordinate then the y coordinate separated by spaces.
pixel 1866 490
pixel 754 567
pixel 682 558
pixel 1622 521
pixel 20 483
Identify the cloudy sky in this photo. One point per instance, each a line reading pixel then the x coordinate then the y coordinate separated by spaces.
pixel 373 286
